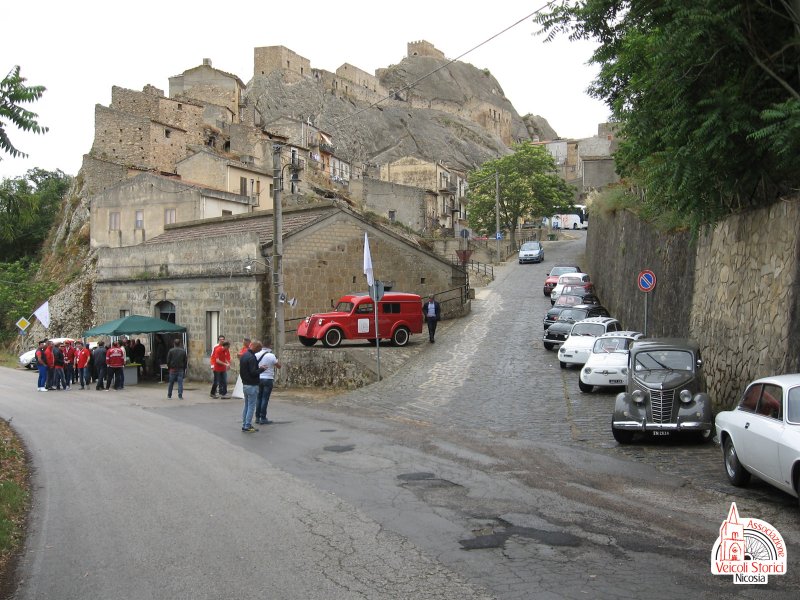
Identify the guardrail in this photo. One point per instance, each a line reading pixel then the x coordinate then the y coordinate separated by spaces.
pixel 474 265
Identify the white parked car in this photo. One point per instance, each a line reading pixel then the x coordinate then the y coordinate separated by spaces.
pixel 576 348
pixel 579 279
pixel 607 365
pixel 28 359
pixel 761 436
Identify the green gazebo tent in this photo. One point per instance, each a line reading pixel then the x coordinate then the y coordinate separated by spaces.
pixel 134 324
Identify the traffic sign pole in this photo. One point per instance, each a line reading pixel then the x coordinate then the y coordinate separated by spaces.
pixel 647 283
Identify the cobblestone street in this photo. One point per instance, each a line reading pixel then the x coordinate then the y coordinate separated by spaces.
pixel 487 393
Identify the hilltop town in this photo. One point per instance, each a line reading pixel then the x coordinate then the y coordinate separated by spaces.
pixel 166 167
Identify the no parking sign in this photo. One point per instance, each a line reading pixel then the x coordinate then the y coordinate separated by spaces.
pixel 647 281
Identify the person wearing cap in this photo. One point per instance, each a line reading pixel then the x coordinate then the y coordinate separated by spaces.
pixel 431 312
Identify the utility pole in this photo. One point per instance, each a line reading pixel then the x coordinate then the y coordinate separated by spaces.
pixel 497 213
pixel 278 295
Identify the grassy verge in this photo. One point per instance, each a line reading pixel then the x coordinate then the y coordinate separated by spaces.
pixel 14 496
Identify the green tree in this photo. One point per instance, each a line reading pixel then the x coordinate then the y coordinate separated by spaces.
pixel 28 206
pixel 13 93
pixel 19 295
pixel 529 187
pixel 706 93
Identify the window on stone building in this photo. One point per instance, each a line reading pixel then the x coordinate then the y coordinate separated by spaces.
pixel 165 310
pixel 392 217
pixel 167 133
pixel 212 329
pixel 124 312
pixel 180 106
pixel 139 221
pixel 113 221
pixel 243 186
pixel 227 213
pixel 169 216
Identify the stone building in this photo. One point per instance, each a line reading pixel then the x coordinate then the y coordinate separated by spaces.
pixel 423 48
pixel 447 188
pixel 196 270
pixel 273 58
pixel 209 86
pixel 135 210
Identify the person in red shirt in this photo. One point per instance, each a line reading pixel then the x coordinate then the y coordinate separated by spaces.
pixel 220 363
pixel 82 355
pixel 51 364
pixel 69 363
pixel 245 347
pixel 115 363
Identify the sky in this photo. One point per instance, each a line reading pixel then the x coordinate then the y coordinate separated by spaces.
pixel 78 50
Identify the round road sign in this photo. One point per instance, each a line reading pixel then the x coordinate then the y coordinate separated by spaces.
pixel 647 281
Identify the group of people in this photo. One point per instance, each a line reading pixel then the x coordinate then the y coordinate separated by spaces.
pixel 63 364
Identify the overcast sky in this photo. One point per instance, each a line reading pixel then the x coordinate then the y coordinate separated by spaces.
pixel 79 49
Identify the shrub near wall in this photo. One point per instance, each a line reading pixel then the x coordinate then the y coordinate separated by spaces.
pixel 618 247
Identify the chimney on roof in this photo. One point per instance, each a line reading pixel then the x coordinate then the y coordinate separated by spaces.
pixel 206 62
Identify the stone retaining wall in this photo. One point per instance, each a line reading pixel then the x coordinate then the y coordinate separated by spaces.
pixel 734 290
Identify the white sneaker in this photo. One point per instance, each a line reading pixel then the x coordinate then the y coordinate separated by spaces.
pixel 42 389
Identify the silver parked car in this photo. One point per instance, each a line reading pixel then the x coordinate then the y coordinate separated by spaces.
pixel 665 392
pixel 531 252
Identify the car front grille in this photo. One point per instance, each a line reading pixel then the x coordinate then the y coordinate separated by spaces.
pixel 661 405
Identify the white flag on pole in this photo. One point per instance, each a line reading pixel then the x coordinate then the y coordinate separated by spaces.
pixel 368 261
pixel 43 314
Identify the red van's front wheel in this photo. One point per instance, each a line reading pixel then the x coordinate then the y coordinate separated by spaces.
pixel 332 337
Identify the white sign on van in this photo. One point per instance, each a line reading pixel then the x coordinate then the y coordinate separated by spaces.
pixel 363 326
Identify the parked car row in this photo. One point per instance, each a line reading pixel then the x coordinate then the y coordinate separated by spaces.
pixel 665 387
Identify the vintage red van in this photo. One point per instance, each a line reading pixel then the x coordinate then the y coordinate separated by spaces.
pixel 399 315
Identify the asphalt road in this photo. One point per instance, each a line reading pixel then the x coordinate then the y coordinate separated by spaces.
pixel 477 469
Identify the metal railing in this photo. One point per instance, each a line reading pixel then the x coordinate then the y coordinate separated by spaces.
pixel 474 265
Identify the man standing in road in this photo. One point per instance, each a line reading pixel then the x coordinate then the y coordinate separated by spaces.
pixel 176 363
pixel 220 363
pixel 82 355
pixel 249 372
pixel 115 365
pixel 41 365
pixel 432 312
pixel 267 362
pixel 99 358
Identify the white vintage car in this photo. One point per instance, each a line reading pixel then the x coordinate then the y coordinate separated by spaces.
pixel 761 436
pixel 576 348
pixel 607 365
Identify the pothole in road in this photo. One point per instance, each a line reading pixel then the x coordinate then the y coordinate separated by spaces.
pixel 499 535
pixel 341 448
pixel 327 430
pixel 423 481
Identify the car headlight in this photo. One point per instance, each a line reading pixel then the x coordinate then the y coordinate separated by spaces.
pixel 685 396
pixel 319 321
pixel 624 370
pixel 587 370
pixel 561 350
pixel 638 396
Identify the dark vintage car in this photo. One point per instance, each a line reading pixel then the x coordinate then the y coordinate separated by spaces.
pixel 557 271
pixel 665 392
pixel 558 332
pixel 565 301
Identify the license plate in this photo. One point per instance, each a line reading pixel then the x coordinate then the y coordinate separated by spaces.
pixel 615 381
pixel 665 433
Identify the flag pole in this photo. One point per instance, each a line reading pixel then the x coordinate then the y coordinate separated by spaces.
pixel 373 292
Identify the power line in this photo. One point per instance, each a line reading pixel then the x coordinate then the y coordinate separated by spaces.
pixel 448 63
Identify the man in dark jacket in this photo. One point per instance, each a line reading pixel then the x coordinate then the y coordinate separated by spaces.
pixel 99 359
pixel 177 361
pixel 432 312
pixel 249 371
